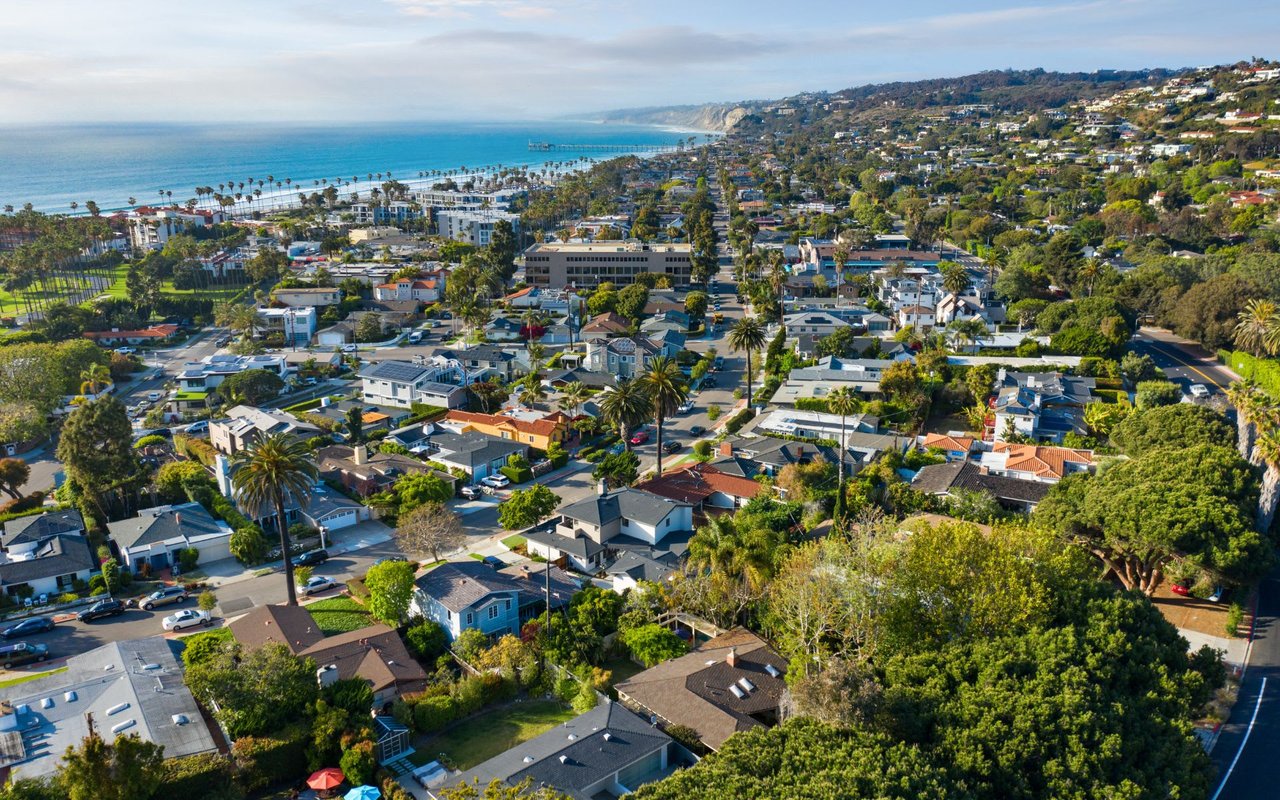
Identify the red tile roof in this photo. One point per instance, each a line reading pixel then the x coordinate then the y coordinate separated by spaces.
pixel 694 483
pixel 944 442
pixel 1045 462
pixel 154 332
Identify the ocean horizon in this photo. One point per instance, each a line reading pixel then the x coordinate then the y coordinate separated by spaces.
pixel 51 166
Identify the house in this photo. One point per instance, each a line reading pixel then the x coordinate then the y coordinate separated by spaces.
pixel 817 424
pixel 955 447
pixel 132 686
pixel 668 320
pixel 153 536
pixel 464 595
pixel 628 356
pixel 539 434
pixel 244 425
pixel 944 480
pixel 297 324
pixel 375 653
pixel 1041 405
pixel 604 326
pixel 367 473
pixel 861 375
pixel 589 530
pixel 703 486
pixel 426 289
pixel 201 376
pixel 734 682
pixel 474 453
pixel 815 323
pixel 1031 462
pixel 605 753
pixel 307 297
pixel 45 554
pixel 153 334
pixel 400 384
pixel 632 567
pixel 328 510
pixel 560 378
pixel 504 329
pixel 372 418
pixel 768 455
pixel 482 361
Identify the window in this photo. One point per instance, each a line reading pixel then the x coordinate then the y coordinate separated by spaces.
pixel 506 604
pixel 469 618
pixel 493 611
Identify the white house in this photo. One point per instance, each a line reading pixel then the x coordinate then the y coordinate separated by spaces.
pixel 400 384
pixel 427 289
pixel 296 323
pixel 45 554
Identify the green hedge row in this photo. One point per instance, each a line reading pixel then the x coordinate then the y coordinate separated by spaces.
pixel 269 760
pixel 201 775
pixel 517 474
pixel 1263 371
pixel 741 418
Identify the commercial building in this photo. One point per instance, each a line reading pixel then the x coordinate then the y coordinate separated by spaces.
pixel 587 264
pixel 473 227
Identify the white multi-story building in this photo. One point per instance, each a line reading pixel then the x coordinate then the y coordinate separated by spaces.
pixel 297 324
pixel 427 289
pixel 472 226
pixel 201 376
pixel 151 228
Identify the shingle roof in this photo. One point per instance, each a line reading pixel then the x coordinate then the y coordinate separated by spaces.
pixel 942 478
pixel 189 520
pixel 36 527
pixel 473 448
pixel 291 626
pixel 649 509
pixel 60 554
pixel 694 689
pixel 458 585
pixel 640 567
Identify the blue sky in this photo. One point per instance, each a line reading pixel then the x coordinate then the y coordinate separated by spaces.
pixel 350 60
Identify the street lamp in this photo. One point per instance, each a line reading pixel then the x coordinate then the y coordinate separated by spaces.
pixel 323 530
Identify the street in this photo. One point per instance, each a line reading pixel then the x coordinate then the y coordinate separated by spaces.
pixel 1184 362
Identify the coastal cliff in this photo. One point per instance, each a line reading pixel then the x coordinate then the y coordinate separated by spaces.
pixel 718 117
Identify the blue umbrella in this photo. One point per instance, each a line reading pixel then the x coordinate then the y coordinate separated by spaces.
pixel 363 793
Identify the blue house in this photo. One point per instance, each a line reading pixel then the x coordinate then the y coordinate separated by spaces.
pixel 461 595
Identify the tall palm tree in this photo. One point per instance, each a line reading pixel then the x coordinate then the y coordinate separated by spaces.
pixel 1268 449
pixel 1258 328
pixel 94 378
pixel 842 401
pixel 967 332
pixel 667 389
pixel 572 396
pixel 955 279
pixel 1248 403
pixel 268 473
pixel 624 406
pixel 532 392
pixel 715 545
pixel 746 335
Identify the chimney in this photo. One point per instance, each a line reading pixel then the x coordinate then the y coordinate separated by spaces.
pixel 726 448
pixel 732 658
pixel 359 454
pixel 602 487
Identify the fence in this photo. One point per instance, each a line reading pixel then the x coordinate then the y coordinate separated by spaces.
pixel 52 607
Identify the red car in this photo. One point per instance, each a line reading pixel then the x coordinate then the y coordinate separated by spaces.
pixel 1178 588
pixel 640 437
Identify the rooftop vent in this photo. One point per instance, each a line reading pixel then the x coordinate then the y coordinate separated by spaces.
pixel 608 737
pixel 117 708
pixel 70 697
pixel 528 759
pixel 573 737
pixel 151 666
pixel 47 702
pixel 123 726
pixel 564 759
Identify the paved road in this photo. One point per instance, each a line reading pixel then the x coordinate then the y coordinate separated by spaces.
pixel 1184 362
pixel 1248 743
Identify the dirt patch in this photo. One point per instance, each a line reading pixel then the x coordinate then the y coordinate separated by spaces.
pixel 1193 613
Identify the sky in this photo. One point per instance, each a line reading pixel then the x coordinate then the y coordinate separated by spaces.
pixel 73 61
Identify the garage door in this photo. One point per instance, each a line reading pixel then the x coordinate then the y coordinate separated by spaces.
pixel 340 520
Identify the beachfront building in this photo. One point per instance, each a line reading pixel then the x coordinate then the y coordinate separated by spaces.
pixel 151 228
pixel 473 226
pixel 588 264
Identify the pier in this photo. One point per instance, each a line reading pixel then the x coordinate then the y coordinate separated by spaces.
pixel 554 147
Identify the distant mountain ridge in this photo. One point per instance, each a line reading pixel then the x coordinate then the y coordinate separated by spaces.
pixel 717 117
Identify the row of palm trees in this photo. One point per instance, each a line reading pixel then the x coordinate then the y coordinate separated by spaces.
pixel 656 394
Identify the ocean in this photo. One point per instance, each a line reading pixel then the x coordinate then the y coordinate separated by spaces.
pixel 53 166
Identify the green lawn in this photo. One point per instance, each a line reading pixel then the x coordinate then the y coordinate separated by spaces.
pixel 35 676
pixel 339 615
pixel 221 634
pixel 481 738
pixel 622 669
pixel 512 542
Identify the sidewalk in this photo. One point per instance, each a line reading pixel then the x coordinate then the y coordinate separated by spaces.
pixel 357 537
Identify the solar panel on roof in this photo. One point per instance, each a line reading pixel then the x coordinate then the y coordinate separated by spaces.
pixel 395 371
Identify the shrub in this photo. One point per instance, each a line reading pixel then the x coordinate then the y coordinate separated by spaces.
pixel 69 597
pixel 585 699
pixel 702 450
pixel 741 418
pixel 187 558
pixel 351 694
pixel 713 412
pixel 147 441
pixel 1265 371
pixel 517 474
pixel 97 585
pixel 811 404
pixel 433 713
pixel 469 694
pixel 1157 393
pixel 32 502
pixel 567 689
pixel 267 760
pixel 249 545
pixel 1235 616
pixel 201 775
pixel 358 764
pixel 426 640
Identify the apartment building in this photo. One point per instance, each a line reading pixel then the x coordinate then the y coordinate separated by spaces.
pixel 473 227
pixel 587 264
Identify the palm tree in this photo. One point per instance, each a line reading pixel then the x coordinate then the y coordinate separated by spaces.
pixel 667 389
pixel 265 475
pixel 94 378
pixel 955 279
pixel 572 396
pixel 1249 404
pixel 1258 328
pixel 1268 449
pixel 746 335
pixel 967 332
pixel 624 406
pixel 532 392
pixel 842 401
pixel 715 545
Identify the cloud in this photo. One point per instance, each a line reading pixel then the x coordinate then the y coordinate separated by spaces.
pixel 465 9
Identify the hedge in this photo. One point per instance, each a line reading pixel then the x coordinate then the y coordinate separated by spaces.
pixel 201 775
pixel 741 418
pixel 225 511
pixel 265 761
pixel 196 449
pixel 5 516
pixel 1263 371
pixel 517 474
pixel 811 404
pixel 32 503
pixel 433 713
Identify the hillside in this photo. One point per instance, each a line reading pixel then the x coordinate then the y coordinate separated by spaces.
pixel 718 117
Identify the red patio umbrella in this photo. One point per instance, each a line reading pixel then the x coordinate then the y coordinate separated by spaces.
pixel 325 779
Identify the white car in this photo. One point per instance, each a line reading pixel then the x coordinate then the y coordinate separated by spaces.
pixel 126 351
pixel 497 481
pixel 1199 390
pixel 349 348
pixel 317 583
pixel 154 396
pixel 687 407
pixel 187 618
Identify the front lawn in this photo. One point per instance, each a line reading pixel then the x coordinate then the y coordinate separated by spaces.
pixel 479 739
pixel 339 615
pixel 512 542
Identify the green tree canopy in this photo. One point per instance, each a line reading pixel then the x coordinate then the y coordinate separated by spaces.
pixel 127 768
pixel 258 691
pixel 96 448
pixel 652 644
pixel 1180 425
pixel 526 507
pixel 252 387
pixel 390 586
pixel 420 488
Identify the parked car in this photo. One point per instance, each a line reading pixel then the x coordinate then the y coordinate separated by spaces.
pixel 154 396
pixel 199 426
pixel 102 608
pixel 498 481
pixel 639 437
pixel 163 597
pixel 349 348
pixel 415 337
pixel 1180 589
pixel 686 407
pixel 126 351
pixel 28 627
pixel 671 447
pixel 493 561
pixel 717 364
pixel 317 583
pixel 223 341
pixel 389 560
pixel 186 618
pixel 310 380
pixel 470 492
pixel 710 382
pixel 12 655
pixel 1199 390
pixel 311 558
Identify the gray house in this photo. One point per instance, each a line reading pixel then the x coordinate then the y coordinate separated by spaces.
pixel 155 534
pixel 477 454
pixel 462 595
